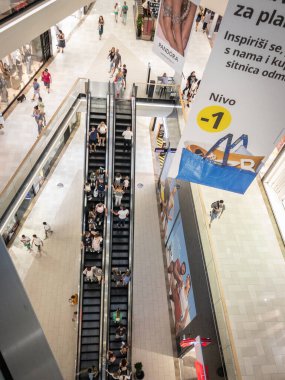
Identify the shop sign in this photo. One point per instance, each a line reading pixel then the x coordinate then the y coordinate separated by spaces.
pixel 237 116
pixel 173 32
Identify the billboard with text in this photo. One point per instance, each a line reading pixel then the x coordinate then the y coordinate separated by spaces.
pixel 237 117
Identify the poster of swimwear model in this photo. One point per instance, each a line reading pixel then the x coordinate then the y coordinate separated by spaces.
pixel 169 205
pixel 179 276
pixel 237 118
pixel 173 31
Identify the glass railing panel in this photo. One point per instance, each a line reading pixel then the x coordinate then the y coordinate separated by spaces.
pixel 98 89
pixel 157 91
pixel 27 164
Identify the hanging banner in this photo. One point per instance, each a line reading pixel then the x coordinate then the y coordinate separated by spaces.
pixel 173 31
pixel 237 117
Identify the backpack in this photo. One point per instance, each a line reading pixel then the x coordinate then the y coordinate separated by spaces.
pixel 215 204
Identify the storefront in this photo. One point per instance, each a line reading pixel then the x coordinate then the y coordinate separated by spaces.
pixel 20 66
pixel 67 26
pixel 274 184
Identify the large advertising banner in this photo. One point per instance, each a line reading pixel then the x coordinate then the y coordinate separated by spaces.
pixel 179 276
pixel 173 31
pixel 237 117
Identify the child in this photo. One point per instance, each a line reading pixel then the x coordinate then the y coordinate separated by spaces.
pixel 126 183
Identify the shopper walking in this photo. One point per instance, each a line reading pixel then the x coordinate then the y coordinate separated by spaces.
pixel 36 87
pixel 217 208
pixel 100 27
pixel 37 242
pixel 41 108
pixel 111 57
pixel 60 41
pixel 117 61
pixel 207 19
pixel 26 242
pixel 124 13
pixel 125 71
pixel 2 122
pixel 46 78
pixel 190 80
pixel 127 135
pixel 119 83
pixel 116 11
pixel 47 229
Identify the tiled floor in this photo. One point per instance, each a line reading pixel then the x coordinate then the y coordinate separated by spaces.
pixel 152 344
pixel 51 279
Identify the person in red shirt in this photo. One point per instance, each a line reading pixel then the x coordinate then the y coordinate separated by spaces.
pixel 46 78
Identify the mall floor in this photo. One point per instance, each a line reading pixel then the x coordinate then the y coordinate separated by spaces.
pixel 50 279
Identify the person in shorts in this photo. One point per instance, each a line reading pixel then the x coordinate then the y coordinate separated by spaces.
pixel 102 132
pixel 26 242
pixel 46 78
pixel 36 87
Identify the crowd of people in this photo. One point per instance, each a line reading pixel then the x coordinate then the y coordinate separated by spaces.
pixel 118 70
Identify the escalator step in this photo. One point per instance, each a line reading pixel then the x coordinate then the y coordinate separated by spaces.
pixel 90 340
pixel 90 356
pixel 91 309
pixel 90 348
pixel 90 325
pixel 91 317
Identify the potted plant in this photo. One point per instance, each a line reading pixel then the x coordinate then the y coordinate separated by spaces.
pixel 139 25
pixel 139 372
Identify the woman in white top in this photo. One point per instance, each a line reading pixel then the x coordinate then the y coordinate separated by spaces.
pixel 102 132
pixel 96 243
pixel 118 194
pixel 89 273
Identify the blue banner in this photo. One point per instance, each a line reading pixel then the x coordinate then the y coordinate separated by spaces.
pixel 194 168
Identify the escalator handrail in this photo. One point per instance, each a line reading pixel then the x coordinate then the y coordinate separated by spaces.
pixel 108 236
pixel 105 248
pixel 131 224
pixel 83 221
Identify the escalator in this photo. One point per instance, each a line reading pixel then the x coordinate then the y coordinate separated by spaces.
pixel 91 292
pixel 120 236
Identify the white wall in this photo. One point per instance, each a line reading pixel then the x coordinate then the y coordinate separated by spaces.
pixel 218 6
pixel 26 27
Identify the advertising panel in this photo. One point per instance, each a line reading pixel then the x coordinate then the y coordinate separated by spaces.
pixel 237 117
pixel 173 31
pixel 169 205
pixel 181 291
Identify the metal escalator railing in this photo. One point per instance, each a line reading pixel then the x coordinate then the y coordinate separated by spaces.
pixel 84 204
pixel 92 292
pixel 132 223
pixel 108 239
pixel 119 239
